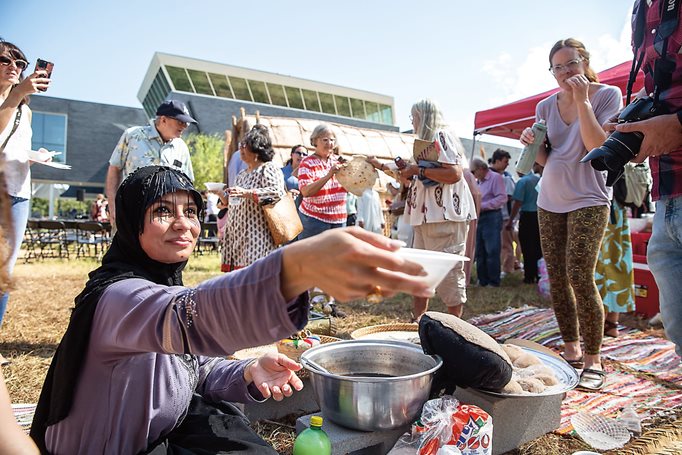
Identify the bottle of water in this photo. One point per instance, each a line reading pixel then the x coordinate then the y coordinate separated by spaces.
pixel 313 440
pixel 525 163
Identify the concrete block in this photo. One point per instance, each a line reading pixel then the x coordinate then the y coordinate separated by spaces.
pixel 515 420
pixel 353 442
pixel 302 402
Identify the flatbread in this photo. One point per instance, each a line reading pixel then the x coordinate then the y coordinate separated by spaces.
pixel 357 175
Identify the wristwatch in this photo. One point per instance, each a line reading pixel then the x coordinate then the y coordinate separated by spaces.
pixel 421 172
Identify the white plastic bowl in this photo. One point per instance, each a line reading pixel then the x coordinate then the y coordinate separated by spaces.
pixel 214 186
pixel 600 432
pixel 436 263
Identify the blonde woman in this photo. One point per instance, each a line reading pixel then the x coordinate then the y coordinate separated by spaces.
pixel 439 204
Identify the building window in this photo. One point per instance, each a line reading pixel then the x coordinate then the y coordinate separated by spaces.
pixel 179 78
pixel 342 105
pixel 311 101
pixel 327 102
pixel 372 110
pixel 277 94
pixel 294 97
pixel 258 92
pixel 386 114
pixel 358 108
pixel 200 82
pixel 220 85
pixel 49 131
pixel 240 89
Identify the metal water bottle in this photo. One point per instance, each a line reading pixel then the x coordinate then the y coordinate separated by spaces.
pixel 527 158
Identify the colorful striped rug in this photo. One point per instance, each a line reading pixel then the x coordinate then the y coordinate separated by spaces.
pixel 653 393
pixel 633 348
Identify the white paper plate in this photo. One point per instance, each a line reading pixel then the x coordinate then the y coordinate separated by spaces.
pixel 53 164
pixel 37 156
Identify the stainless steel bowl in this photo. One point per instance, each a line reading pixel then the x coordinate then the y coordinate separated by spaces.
pixel 371 384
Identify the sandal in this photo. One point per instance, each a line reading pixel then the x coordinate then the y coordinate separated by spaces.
pixel 578 363
pixel 610 327
pixel 592 380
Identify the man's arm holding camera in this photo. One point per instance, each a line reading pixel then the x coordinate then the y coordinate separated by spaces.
pixel 662 135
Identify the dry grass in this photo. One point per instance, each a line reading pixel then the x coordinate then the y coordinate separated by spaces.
pixel 39 310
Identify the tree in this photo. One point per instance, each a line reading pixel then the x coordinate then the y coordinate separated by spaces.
pixel 207 158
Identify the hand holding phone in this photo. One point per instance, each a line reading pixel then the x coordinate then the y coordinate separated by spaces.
pixel 44 65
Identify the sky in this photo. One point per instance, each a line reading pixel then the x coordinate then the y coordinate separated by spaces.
pixel 468 56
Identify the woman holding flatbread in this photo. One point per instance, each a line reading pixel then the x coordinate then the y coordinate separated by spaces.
pixel 324 199
pixel 439 204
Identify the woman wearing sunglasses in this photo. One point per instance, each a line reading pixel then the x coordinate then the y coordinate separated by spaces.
pixel 573 203
pixel 15 141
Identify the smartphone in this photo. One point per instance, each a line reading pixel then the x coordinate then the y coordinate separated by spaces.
pixel 45 66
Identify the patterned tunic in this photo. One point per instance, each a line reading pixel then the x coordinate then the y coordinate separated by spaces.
pixel 246 237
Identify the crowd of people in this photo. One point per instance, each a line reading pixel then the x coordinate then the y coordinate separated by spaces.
pixel 172 341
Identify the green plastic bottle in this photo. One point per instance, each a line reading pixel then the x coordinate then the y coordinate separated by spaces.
pixel 313 440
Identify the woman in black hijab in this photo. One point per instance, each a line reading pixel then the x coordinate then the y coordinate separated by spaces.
pixel 139 369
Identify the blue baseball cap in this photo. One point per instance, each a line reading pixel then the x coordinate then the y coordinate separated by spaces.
pixel 175 109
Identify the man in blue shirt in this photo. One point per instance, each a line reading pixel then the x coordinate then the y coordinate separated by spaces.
pixel 525 200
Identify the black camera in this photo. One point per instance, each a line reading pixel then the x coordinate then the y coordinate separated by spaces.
pixel 619 148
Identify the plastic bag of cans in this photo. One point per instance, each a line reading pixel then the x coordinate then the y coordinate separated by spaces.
pixel 447 427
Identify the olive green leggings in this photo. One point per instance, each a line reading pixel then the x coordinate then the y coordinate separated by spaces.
pixel 570 245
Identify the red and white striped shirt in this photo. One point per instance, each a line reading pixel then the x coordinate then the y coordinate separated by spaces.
pixel 328 204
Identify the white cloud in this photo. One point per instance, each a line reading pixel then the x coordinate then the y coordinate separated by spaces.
pixel 515 80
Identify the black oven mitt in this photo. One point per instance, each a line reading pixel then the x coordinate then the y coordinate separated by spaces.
pixel 471 357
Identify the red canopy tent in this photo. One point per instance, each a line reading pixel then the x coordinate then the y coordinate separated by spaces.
pixel 510 119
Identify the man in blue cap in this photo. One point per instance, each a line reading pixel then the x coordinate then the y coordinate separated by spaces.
pixel 158 143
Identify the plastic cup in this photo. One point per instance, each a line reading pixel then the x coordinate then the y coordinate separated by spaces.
pixel 214 186
pixel 437 264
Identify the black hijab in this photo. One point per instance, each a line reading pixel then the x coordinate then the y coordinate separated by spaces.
pixel 125 259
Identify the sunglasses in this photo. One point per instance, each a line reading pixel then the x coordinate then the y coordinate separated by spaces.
pixel 19 63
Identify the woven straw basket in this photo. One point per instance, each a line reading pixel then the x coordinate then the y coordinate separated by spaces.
pixel 400 327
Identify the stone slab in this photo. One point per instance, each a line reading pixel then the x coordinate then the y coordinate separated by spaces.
pixel 302 402
pixel 515 420
pixel 353 442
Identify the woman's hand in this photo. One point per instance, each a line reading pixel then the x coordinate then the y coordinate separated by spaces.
pixel 237 191
pixel 580 87
pixel 527 136
pixel 334 169
pixel 273 375
pixel 348 263
pixel 34 83
pixel 408 172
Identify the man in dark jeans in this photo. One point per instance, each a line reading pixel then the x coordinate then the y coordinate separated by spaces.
pixel 525 201
pixel 489 229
